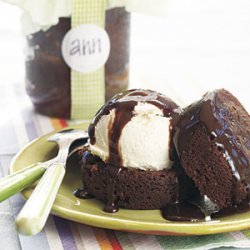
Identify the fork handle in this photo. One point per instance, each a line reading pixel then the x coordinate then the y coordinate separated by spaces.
pixel 20 180
pixel 35 212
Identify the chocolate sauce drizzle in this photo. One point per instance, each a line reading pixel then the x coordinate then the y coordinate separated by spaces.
pixel 211 113
pixel 123 104
pixel 82 193
pixel 113 173
pixel 195 211
pixel 182 211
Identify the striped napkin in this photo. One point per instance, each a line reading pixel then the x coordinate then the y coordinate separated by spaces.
pixel 19 125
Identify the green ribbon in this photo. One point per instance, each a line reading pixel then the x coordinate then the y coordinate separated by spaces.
pixel 87 89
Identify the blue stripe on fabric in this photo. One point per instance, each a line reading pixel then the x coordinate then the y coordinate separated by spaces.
pixel 26 111
pixel 65 233
pixel 9 236
pixel 39 241
pixel 8 142
pixel 27 115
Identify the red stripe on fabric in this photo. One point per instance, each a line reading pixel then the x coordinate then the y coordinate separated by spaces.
pixel 63 123
pixel 113 240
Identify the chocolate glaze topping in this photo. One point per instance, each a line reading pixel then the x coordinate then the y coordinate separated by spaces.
pixel 212 115
pixel 124 104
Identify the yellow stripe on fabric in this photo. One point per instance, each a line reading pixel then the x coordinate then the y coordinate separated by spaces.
pixel 56 124
pixel 102 239
pixel 87 89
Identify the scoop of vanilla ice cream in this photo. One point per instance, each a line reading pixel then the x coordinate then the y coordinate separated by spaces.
pixel 144 140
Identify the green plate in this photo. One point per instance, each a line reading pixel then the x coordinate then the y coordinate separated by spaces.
pixel 91 211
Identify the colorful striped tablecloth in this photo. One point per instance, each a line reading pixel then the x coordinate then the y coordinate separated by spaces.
pixel 19 125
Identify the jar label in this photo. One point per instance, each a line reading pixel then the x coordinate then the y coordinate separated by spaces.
pixel 86 48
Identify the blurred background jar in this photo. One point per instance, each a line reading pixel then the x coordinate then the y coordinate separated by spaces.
pixel 48 76
pixel 181 49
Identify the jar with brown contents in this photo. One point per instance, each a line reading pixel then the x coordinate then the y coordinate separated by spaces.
pixel 48 76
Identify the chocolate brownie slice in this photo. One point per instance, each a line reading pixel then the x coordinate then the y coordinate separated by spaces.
pixel 127 187
pixel 212 139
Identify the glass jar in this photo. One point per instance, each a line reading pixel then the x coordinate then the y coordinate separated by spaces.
pixel 48 76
